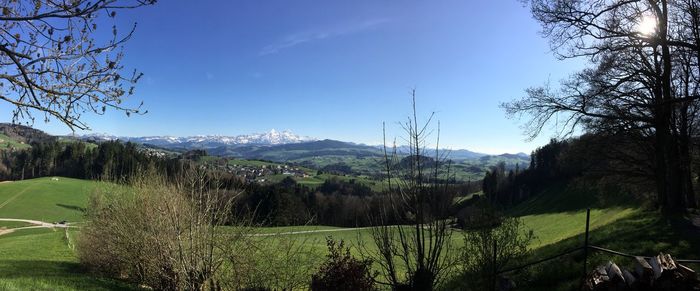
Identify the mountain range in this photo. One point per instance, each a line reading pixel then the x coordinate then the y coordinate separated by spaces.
pixel 248 144
pixel 273 137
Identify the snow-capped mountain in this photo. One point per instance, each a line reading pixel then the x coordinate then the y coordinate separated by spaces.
pixel 273 137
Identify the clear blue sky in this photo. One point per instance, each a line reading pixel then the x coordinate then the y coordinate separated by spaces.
pixel 332 69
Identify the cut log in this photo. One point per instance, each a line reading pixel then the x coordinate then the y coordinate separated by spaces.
pixel 660 272
pixel 629 278
pixel 667 262
pixel 596 279
pixel 601 275
pixel 614 271
pixel 644 271
pixel 656 266
pixel 687 272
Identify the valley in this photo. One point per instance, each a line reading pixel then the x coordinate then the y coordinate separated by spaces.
pixel 426 145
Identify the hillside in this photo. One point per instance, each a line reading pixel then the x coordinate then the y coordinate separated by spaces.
pixel 24 134
pixel 42 258
pixel 7 142
pixel 360 159
pixel 557 216
pixel 39 258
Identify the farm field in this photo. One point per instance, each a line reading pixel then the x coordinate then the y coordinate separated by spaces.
pixel 44 258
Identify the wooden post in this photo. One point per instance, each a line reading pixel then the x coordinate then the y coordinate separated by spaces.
pixel 585 244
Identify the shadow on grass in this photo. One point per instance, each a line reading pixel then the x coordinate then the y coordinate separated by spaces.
pixel 71 207
pixel 644 233
pixel 39 274
pixel 569 197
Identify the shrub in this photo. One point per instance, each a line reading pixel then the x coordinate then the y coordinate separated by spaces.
pixel 167 236
pixel 342 271
pixel 506 234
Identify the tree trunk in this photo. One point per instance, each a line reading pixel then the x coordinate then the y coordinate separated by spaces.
pixel 674 195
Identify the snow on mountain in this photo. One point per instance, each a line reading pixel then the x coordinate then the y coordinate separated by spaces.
pixel 273 137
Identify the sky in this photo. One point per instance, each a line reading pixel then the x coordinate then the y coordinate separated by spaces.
pixel 332 69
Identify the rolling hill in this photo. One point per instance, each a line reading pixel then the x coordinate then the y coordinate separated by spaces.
pixel 40 258
pixel 274 146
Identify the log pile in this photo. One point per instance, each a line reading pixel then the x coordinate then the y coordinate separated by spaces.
pixel 657 273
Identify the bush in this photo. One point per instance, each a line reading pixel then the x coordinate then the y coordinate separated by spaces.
pixel 163 235
pixel 341 271
pixel 506 234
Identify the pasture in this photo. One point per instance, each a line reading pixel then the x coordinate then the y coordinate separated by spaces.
pixel 44 258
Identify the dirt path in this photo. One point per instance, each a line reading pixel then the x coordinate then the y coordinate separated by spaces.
pixel 34 223
pixel 309 231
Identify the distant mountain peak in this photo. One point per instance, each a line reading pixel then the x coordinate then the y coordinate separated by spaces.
pixel 272 137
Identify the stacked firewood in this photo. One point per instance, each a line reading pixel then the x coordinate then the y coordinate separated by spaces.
pixel 657 273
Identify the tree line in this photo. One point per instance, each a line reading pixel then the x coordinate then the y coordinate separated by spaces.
pixel 111 160
pixel 335 202
pixel 605 163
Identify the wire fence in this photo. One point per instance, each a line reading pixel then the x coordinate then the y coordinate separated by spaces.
pixel 585 249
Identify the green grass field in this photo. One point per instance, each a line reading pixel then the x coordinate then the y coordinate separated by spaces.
pixel 45 199
pixel 558 218
pixel 42 258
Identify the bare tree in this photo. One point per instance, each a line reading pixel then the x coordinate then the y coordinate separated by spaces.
pixel 51 62
pixel 418 200
pixel 642 82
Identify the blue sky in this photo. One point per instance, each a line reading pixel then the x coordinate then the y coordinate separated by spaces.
pixel 332 69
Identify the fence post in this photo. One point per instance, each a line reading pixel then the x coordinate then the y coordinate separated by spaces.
pixel 585 244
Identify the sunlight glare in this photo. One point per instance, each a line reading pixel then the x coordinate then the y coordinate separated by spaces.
pixel 647 25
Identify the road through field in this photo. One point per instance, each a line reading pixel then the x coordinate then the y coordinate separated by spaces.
pixel 308 231
pixel 35 224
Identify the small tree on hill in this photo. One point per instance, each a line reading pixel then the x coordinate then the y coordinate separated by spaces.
pixel 341 271
pixel 419 199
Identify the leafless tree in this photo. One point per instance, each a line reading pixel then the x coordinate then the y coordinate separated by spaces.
pixel 642 81
pixel 53 63
pixel 418 198
pixel 166 236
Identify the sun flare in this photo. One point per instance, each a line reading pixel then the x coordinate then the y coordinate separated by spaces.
pixel 647 25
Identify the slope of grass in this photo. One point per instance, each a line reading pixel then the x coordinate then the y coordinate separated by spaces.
pixel 559 213
pixel 558 217
pixel 41 258
pixel 640 233
pixel 47 199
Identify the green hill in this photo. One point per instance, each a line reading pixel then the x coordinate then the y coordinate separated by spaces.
pixel 557 216
pixel 43 258
pixel 45 199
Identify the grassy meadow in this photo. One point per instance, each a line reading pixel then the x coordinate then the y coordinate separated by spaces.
pixel 44 258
